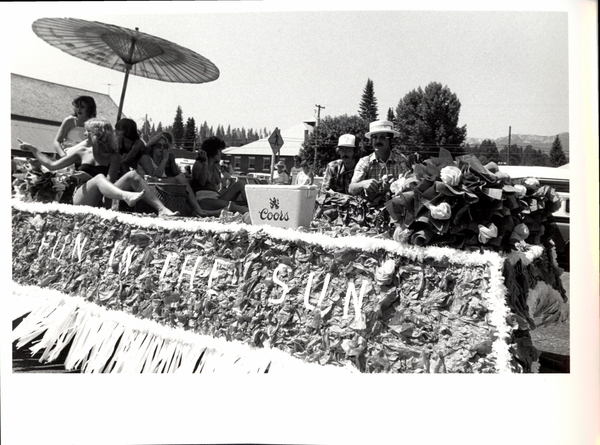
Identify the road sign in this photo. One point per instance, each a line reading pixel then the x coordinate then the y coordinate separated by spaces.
pixel 276 141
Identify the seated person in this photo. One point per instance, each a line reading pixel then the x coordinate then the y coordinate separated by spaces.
pixel 305 177
pixel 71 131
pixel 99 164
pixel 158 162
pixel 338 173
pixel 206 180
pixel 297 168
pixel 130 145
pixel 280 176
pixel 373 173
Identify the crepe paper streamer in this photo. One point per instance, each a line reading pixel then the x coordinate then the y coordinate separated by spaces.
pixel 114 342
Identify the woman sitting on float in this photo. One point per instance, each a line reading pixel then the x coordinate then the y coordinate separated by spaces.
pixel 99 168
pixel 158 162
pixel 129 143
pixel 206 180
pixel 71 131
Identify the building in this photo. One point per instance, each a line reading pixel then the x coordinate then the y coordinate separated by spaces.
pixel 39 107
pixel 256 157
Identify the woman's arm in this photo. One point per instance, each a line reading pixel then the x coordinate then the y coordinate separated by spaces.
pixel 173 170
pixel 136 148
pixel 63 162
pixel 113 167
pixel 65 127
pixel 200 172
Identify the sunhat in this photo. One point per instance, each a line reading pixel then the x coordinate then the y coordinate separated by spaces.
pixel 280 164
pixel 347 140
pixel 381 127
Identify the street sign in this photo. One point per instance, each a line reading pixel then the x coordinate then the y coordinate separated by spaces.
pixel 276 141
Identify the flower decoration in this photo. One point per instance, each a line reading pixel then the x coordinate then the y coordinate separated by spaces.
pixel 450 175
pixel 38 184
pixel 463 204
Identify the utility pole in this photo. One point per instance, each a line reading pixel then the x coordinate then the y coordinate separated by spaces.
pixel 318 120
pixel 508 150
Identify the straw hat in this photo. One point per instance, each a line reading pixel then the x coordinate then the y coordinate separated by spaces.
pixel 381 127
pixel 347 140
pixel 280 164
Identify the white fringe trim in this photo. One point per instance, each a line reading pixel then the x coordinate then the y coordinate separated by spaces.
pixel 145 346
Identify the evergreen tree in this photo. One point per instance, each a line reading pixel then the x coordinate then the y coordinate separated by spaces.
pixel 557 155
pixel 178 130
pixel 390 115
pixel 428 120
pixel 367 108
pixel 488 152
pixel 189 136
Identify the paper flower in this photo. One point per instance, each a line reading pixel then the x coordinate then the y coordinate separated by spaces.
pixel 385 272
pixel 532 184
pixel 441 211
pixel 520 233
pixel 487 233
pixel 521 190
pixel 451 175
pixel 397 185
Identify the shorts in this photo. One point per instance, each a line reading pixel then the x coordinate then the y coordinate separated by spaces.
pixel 205 194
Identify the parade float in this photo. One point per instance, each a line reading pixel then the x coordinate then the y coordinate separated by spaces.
pixel 448 275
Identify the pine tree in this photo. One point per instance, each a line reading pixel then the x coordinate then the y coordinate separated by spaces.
pixel 390 115
pixel 557 155
pixel 189 136
pixel 368 104
pixel 178 129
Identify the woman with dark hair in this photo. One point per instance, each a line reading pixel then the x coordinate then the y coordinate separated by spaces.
pixel 206 180
pixel 71 130
pixel 131 146
pixel 99 167
pixel 159 163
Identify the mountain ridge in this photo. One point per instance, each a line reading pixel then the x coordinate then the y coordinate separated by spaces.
pixel 543 143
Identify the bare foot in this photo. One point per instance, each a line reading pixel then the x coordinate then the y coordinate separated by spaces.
pixel 131 198
pixel 165 213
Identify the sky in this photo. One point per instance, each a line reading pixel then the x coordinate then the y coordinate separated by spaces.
pixel 507 68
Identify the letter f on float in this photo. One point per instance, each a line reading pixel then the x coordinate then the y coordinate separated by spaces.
pixel 276 279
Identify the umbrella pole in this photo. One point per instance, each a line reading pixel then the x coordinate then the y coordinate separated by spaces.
pixel 127 69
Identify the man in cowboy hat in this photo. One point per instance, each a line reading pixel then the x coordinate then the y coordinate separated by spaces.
pixel 279 175
pixel 372 170
pixel 338 173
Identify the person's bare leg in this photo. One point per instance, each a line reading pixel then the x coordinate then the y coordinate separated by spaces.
pixel 92 191
pixel 236 190
pixel 133 181
pixel 192 201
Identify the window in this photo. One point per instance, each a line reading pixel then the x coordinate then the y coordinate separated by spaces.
pixel 266 167
pixel 251 161
pixel 237 162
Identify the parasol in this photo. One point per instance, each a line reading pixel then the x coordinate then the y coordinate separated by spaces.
pixel 125 50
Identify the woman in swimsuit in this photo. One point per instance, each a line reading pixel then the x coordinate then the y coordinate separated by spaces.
pixel 99 167
pixel 131 146
pixel 159 162
pixel 72 128
pixel 206 180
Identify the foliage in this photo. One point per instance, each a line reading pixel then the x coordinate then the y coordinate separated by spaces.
pixel 325 138
pixel 390 115
pixel 189 135
pixel 367 108
pixel 428 119
pixel 178 128
pixel 557 155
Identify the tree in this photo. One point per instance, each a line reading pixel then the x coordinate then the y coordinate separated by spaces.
pixel 557 155
pixel 390 115
pixel 428 120
pixel 189 136
pixel 367 108
pixel 511 155
pixel 488 152
pixel 325 137
pixel 178 130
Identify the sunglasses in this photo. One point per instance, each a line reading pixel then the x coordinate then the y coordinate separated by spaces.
pixel 163 146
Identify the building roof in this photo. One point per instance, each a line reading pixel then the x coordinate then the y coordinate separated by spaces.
pixel 293 138
pixel 38 99
pixel 38 134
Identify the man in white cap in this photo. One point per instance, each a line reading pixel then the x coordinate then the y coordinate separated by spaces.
pixel 338 173
pixel 380 165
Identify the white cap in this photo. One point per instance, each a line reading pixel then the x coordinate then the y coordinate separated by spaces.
pixel 347 140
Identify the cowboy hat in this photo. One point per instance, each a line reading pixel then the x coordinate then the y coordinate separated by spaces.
pixel 381 127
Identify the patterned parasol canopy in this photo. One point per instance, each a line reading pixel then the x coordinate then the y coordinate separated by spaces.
pixel 125 50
